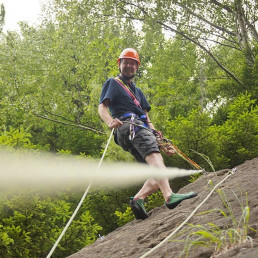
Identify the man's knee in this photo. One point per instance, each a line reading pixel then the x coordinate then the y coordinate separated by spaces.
pixel 154 155
pixel 153 182
pixel 155 159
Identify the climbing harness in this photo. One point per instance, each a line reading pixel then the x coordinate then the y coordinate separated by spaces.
pixel 134 128
pixel 81 201
pixel 190 216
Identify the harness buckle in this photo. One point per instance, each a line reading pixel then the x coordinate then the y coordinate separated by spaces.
pixel 132 128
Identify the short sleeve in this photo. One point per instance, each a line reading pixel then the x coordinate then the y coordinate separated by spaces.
pixel 144 103
pixel 108 91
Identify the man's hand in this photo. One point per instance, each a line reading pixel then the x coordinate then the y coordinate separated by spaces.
pixel 115 123
pixel 165 147
pixel 168 150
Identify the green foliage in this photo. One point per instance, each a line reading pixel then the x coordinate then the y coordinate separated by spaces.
pixel 5 242
pixel 124 217
pixel 108 207
pixel 225 145
pixel 192 133
pixel 170 86
pixel 30 224
pixel 56 70
pixel 63 152
pixel 16 138
pixel 194 177
pixel 116 153
pixel 236 139
pixel 154 200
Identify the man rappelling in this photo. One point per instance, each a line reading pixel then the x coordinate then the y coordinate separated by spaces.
pixel 124 107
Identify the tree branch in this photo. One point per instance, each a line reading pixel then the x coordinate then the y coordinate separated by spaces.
pixel 2 17
pixel 223 6
pixel 228 9
pixel 200 17
pixel 188 38
pixel 70 124
pixel 197 29
pixel 243 35
pixel 219 43
pixel 203 48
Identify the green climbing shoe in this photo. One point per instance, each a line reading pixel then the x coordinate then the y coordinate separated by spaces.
pixel 138 209
pixel 175 199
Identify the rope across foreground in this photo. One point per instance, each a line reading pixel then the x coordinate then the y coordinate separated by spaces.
pixel 81 201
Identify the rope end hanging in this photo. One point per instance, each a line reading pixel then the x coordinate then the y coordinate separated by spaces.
pixel 80 203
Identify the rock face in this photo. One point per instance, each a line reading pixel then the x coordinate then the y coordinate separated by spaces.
pixel 138 237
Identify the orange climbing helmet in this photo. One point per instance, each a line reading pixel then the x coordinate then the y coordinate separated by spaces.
pixel 129 53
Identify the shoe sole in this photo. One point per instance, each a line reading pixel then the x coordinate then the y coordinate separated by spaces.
pixel 137 210
pixel 173 205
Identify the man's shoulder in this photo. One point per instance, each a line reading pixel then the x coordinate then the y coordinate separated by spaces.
pixel 138 89
pixel 110 80
pixel 110 85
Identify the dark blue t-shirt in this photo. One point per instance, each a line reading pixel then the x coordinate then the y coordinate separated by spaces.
pixel 120 101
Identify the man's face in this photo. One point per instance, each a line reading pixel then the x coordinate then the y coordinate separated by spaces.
pixel 128 67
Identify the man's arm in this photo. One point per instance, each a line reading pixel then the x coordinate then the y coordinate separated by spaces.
pixel 168 149
pixel 106 117
pixel 149 121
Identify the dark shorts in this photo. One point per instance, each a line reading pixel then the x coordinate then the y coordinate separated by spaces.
pixel 143 144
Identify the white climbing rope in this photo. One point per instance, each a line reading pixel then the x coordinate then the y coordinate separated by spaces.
pixel 188 218
pixel 81 201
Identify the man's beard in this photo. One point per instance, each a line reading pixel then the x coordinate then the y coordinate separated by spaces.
pixel 124 77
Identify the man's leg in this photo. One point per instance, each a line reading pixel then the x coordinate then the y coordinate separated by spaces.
pixel 151 185
pixel 144 142
pixel 155 159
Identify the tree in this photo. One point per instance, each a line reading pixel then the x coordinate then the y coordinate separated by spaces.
pixel 56 73
pixel 30 223
pixel 2 17
pixel 204 23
